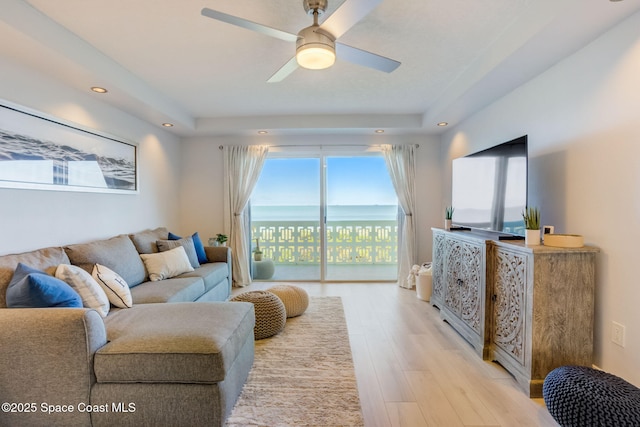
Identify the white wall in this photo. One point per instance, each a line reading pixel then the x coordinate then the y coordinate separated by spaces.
pixel 31 219
pixel 582 117
pixel 203 178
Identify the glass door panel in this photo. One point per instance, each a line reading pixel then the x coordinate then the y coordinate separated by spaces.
pixel 285 220
pixel 361 229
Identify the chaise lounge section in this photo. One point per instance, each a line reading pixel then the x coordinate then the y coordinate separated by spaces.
pixel 165 361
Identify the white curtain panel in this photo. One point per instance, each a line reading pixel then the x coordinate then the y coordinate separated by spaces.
pixel 400 160
pixel 243 165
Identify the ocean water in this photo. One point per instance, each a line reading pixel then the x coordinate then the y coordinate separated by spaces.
pixel 334 213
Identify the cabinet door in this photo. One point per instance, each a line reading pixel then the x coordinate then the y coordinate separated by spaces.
pixel 454 274
pixel 509 307
pixel 471 290
pixel 464 273
pixel 437 269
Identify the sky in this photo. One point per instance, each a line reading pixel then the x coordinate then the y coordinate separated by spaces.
pixel 350 181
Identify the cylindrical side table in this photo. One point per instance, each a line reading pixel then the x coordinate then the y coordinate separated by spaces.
pixel 262 270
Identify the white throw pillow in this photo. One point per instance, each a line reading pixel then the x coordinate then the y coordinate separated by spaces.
pixel 165 265
pixel 92 295
pixel 114 286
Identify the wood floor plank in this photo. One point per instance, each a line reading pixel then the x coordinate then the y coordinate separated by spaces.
pixel 436 409
pixel 371 400
pixel 410 351
pixel 405 414
pixel 459 390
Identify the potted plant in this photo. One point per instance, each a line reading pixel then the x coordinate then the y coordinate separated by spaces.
pixel 531 216
pixel 257 253
pixel 448 216
pixel 221 239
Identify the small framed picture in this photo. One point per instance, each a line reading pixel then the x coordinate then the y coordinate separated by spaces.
pixel 547 229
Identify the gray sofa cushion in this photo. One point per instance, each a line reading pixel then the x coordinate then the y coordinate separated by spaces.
pixel 117 253
pixel 173 343
pixel 177 289
pixel 46 259
pixel 145 241
pixel 212 274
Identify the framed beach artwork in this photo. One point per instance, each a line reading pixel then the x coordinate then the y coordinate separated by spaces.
pixel 45 153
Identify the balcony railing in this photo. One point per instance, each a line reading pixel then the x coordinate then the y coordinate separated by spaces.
pixel 348 242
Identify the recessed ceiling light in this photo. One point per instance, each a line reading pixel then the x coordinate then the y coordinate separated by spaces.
pixel 167 125
pixel 262 132
pixel 379 131
pixel 443 124
pixel 98 89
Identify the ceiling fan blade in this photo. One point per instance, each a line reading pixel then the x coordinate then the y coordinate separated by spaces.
pixel 249 25
pixel 347 15
pixel 366 59
pixel 284 71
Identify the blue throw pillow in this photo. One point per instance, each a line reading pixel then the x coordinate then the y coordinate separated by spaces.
pixel 31 288
pixel 202 256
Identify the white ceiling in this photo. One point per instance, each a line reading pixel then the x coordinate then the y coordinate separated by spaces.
pixel 164 62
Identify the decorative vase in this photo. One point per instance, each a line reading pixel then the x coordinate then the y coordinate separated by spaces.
pixel 257 256
pixel 447 224
pixel 532 238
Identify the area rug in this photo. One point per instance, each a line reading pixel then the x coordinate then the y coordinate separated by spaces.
pixel 303 376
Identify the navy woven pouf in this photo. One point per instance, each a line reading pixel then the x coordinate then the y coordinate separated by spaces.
pixel 578 396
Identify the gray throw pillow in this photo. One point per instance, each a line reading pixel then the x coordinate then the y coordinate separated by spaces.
pixel 145 241
pixel 186 243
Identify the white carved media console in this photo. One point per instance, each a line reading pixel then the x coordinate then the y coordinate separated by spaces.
pixel 529 308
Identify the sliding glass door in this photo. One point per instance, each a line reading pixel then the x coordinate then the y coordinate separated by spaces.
pixel 325 218
pixel 285 219
pixel 361 220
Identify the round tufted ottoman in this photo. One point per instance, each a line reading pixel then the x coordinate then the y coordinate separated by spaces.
pixel 580 396
pixel 295 299
pixel 271 315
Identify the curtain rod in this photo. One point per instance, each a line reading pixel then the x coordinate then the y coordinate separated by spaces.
pixel 325 146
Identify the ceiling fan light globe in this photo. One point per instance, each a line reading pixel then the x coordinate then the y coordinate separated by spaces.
pixel 315 56
pixel 315 49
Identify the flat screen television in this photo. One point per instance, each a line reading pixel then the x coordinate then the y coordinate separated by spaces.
pixel 489 188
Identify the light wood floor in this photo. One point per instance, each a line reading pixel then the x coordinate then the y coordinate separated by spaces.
pixel 414 370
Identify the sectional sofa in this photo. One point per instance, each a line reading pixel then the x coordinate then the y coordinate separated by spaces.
pixel 179 355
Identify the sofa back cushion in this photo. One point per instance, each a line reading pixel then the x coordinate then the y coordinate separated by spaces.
pixel 118 253
pixel 145 241
pixel 46 259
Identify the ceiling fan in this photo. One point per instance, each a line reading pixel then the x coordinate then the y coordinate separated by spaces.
pixel 316 46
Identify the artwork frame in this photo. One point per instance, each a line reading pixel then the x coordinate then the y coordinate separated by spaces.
pixel 41 152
